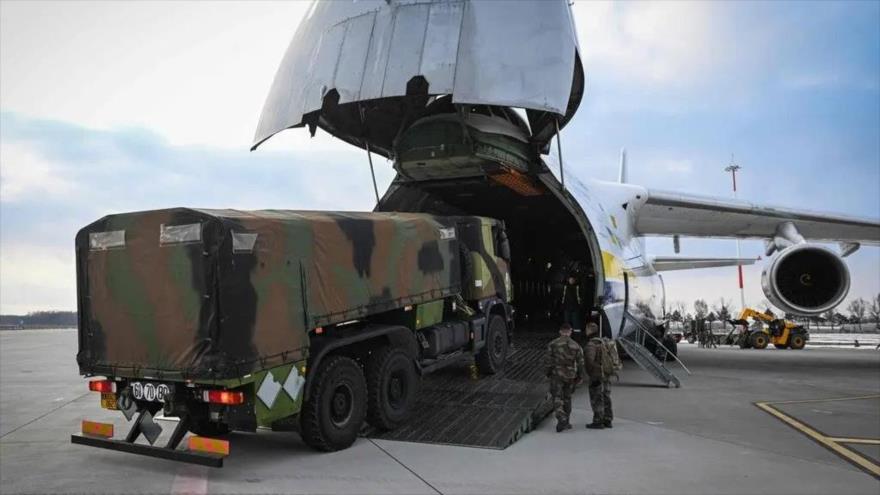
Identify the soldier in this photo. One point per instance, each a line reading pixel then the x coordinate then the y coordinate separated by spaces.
pixel 565 368
pixel 599 370
pixel 571 302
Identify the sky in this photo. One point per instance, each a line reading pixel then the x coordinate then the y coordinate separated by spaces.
pixel 108 107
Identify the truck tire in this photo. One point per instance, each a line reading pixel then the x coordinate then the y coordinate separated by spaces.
pixel 491 358
pixel 797 342
pixel 205 428
pixel 759 340
pixel 332 416
pixel 392 386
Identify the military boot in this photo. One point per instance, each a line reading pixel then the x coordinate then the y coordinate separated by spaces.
pixel 607 424
pixel 596 426
pixel 560 427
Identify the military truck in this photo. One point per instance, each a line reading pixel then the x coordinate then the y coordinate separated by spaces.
pixel 304 320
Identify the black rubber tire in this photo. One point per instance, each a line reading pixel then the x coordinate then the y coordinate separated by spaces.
pixel 491 358
pixel 331 418
pixel 797 342
pixel 760 340
pixel 392 387
pixel 205 428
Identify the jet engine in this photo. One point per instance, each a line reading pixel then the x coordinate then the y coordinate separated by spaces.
pixel 806 279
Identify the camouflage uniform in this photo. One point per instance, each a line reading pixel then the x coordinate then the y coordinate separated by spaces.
pixel 600 383
pixel 565 367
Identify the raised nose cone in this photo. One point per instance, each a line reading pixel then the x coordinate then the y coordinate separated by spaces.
pixel 365 71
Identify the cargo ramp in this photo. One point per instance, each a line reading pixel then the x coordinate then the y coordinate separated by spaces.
pixel 492 412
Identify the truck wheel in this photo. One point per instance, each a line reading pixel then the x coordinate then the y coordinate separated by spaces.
pixel 759 341
pixel 392 385
pixel 205 428
pixel 332 417
pixel 491 358
pixel 797 342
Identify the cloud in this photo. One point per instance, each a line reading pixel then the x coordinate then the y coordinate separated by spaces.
pixel 826 80
pixel 58 177
pixel 35 277
pixel 652 42
pixel 24 173
pixel 679 166
pixel 195 73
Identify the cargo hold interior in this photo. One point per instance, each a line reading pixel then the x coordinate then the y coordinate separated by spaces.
pixel 546 242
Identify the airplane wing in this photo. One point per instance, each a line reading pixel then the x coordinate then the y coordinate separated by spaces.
pixel 667 213
pixel 669 263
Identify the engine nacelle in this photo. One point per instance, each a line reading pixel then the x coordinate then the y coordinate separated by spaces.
pixel 806 279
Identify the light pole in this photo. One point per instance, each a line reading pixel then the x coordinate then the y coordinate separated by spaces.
pixel 732 168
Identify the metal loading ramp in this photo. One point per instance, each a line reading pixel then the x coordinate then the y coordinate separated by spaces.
pixel 491 412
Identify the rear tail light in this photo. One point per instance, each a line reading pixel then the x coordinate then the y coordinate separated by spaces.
pixel 223 397
pixel 103 386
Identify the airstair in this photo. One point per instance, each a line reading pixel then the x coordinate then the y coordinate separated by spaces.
pixel 634 345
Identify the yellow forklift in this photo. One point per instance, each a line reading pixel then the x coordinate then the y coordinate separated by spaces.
pixel 783 334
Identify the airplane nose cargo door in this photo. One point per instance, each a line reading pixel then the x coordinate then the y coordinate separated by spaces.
pixel 464 96
pixel 364 70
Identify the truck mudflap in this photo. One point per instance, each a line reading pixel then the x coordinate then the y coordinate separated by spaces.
pixel 203 451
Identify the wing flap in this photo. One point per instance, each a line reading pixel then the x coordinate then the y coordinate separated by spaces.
pixel 669 263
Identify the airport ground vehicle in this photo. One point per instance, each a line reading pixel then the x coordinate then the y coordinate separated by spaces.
pixel 317 321
pixel 783 334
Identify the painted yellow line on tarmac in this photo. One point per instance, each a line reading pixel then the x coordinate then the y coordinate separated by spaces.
pixel 867 441
pixel 861 397
pixel 828 442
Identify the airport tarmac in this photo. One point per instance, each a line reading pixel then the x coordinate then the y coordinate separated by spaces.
pixel 706 437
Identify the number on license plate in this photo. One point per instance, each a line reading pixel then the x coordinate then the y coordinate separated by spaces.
pixel 108 401
pixel 150 392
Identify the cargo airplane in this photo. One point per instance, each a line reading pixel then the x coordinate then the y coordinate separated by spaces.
pixel 465 97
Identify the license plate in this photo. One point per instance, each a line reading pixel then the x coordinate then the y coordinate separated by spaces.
pixel 151 392
pixel 108 401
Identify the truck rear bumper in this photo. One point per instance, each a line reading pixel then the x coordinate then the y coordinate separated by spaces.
pixel 204 459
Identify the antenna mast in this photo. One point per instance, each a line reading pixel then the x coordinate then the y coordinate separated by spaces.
pixel 732 168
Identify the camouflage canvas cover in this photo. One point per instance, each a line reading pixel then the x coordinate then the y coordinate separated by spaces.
pixel 217 294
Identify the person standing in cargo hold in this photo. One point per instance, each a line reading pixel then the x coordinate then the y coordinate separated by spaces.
pixel 571 303
pixel 600 367
pixel 565 368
